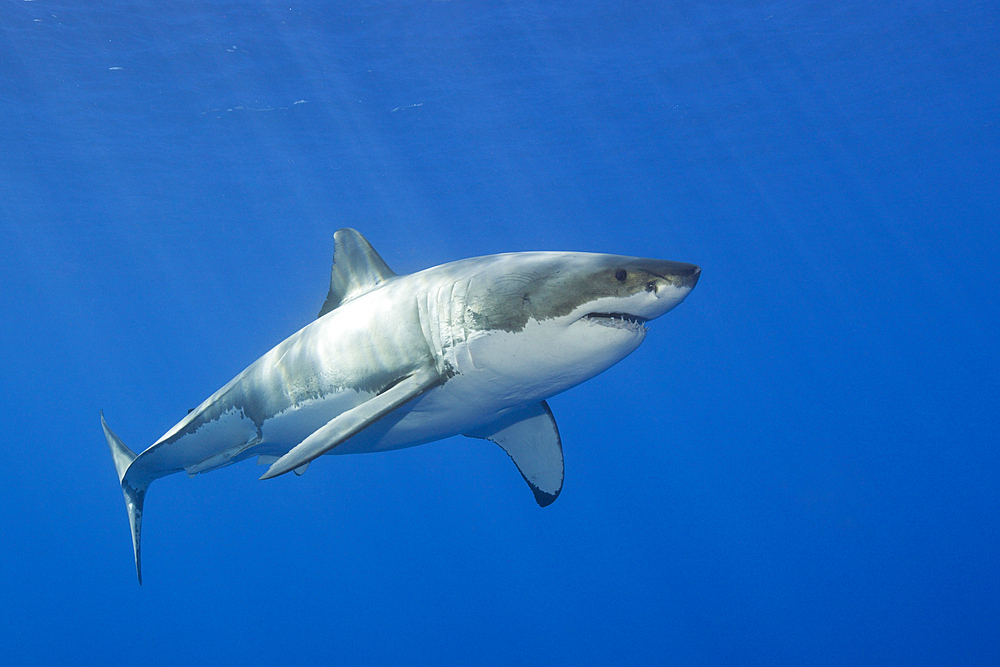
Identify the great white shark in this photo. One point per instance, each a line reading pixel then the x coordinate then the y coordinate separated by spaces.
pixel 473 347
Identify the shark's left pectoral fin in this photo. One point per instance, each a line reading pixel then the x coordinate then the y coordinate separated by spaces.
pixel 531 439
pixel 352 422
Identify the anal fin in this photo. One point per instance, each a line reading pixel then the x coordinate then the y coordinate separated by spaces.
pixel 531 439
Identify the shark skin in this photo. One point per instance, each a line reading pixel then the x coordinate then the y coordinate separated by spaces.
pixel 472 347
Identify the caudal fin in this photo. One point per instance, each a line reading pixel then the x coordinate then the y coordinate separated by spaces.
pixel 134 493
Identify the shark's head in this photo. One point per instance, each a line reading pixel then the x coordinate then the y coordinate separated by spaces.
pixel 566 317
pixel 626 292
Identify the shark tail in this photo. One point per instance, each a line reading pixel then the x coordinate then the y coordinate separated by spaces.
pixel 134 492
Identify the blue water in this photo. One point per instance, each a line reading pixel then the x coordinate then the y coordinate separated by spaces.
pixel 800 465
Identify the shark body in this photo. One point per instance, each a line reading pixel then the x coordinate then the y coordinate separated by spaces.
pixel 472 347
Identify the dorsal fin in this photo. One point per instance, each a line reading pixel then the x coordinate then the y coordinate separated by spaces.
pixel 357 269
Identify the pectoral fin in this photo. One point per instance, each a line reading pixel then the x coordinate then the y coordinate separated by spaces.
pixel 355 420
pixel 531 439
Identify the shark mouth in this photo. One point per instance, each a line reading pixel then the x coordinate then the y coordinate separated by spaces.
pixel 617 320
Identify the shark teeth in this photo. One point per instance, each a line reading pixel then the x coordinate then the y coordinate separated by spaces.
pixel 617 320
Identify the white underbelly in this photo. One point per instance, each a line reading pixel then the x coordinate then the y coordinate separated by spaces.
pixel 471 399
pixel 442 412
pixel 463 403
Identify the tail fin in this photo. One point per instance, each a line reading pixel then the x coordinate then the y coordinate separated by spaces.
pixel 134 494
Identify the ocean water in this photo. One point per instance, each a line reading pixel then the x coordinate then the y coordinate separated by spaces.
pixel 799 466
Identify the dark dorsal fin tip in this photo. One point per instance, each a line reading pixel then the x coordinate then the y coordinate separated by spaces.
pixel 357 269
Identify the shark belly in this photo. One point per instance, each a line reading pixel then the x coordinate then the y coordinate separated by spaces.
pixel 441 413
pixel 481 391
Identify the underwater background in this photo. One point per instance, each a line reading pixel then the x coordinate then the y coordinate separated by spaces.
pixel 800 465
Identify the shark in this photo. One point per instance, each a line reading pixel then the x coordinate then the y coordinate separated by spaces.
pixel 473 347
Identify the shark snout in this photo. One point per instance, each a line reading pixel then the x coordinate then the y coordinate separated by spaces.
pixel 674 282
pixel 677 275
pixel 689 277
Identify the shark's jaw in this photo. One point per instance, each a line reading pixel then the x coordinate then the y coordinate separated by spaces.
pixel 632 314
pixel 623 321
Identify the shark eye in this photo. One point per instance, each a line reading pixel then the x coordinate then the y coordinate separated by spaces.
pixel 621 275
